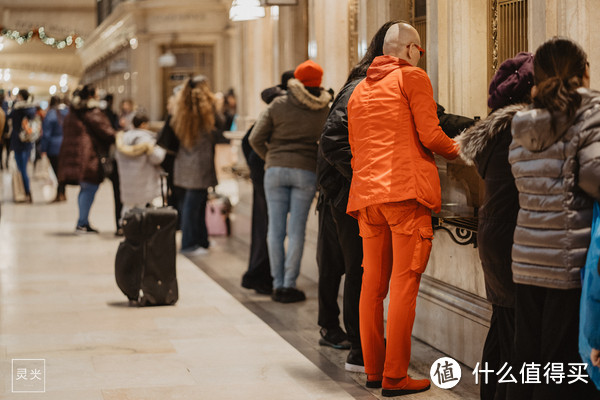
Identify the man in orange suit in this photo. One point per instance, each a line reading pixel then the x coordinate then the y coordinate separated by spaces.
pixel 393 132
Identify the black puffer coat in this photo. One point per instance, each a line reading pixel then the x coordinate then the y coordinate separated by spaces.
pixel 486 144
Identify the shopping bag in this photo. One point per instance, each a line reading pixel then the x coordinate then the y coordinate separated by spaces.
pixel 44 182
pixel 17 186
pixel 589 317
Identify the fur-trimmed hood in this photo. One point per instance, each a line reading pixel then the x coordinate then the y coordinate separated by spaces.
pixel 537 129
pixel 21 104
pixel 305 98
pixel 78 104
pixel 474 139
pixel 132 149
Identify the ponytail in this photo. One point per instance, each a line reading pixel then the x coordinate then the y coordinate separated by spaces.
pixel 559 66
pixel 559 96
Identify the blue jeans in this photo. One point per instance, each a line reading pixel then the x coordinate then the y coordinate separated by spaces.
pixel 85 200
pixel 193 219
pixel 22 157
pixel 288 190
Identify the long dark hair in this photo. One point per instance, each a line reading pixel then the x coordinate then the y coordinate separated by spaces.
pixel 559 67
pixel 375 49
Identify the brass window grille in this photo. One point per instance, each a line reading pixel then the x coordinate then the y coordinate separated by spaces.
pixel 508 22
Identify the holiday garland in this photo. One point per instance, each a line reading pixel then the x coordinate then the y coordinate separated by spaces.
pixel 41 34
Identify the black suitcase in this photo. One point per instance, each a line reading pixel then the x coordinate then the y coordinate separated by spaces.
pixel 145 262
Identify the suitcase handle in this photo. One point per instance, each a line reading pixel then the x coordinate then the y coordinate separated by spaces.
pixel 163 183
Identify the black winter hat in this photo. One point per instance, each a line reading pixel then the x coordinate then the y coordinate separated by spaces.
pixel 512 82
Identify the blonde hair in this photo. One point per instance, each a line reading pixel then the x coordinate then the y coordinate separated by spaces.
pixel 194 113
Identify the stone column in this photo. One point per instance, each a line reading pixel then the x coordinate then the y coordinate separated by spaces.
pixel 293 35
pixel 572 19
pixel 462 46
pixel 146 84
pixel 328 36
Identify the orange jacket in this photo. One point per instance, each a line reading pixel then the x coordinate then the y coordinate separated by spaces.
pixel 393 129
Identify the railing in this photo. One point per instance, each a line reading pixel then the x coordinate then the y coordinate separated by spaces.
pixel 462 195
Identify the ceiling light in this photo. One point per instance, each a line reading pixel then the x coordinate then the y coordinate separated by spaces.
pixel 244 10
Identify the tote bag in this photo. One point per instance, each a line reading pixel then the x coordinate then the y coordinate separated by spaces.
pixel 589 317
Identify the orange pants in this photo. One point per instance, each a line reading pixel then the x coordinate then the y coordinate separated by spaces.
pixel 396 244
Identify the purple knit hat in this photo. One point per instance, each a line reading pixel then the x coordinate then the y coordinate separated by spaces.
pixel 512 82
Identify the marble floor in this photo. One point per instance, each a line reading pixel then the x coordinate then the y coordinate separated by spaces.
pixel 59 303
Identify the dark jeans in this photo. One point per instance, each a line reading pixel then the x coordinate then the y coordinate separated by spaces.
pixel 193 219
pixel 54 163
pixel 114 177
pixel 22 158
pixel 339 252
pixel 259 268
pixel 497 350
pixel 547 331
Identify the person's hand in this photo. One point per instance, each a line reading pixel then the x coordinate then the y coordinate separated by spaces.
pixel 595 356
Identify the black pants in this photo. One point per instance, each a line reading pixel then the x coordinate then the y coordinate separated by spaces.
pixel 114 177
pixel 339 252
pixel 498 350
pixel 546 331
pixel 259 268
pixel 61 185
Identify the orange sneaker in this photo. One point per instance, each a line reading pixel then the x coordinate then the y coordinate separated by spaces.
pixel 407 386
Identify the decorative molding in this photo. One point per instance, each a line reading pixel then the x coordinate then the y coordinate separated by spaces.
pixel 456 300
pixel 352 33
pixel 494 36
pixel 462 231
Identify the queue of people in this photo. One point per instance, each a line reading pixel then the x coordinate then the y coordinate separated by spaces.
pixel 370 154
pixel 535 192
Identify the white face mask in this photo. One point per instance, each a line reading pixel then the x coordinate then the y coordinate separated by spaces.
pixel 103 104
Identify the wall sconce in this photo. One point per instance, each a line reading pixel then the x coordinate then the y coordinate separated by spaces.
pixel 245 10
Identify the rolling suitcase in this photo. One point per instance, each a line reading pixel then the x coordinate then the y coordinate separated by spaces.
pixel 145 268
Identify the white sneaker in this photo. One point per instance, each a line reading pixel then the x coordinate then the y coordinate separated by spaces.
pixel 200 251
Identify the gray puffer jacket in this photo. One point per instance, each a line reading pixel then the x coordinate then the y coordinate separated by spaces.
pixel 556 165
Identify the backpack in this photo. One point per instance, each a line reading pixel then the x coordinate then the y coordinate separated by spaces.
pixel 31 129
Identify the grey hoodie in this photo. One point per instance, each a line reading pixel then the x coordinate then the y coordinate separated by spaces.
pixel 556 165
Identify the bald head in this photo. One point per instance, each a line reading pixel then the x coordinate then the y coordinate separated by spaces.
pixel 397 41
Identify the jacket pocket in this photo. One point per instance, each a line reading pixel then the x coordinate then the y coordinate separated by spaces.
pixel 422 249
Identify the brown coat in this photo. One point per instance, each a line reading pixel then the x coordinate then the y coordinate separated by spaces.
pixel 85 132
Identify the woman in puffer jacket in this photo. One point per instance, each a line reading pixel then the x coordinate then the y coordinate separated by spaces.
pixel 555 160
